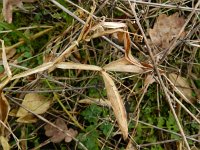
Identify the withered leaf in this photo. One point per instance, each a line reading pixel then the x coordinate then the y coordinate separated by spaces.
pixel 4 143
pixel 8 7
pixel 57 135
pixel 183 87
pixel 30 118
pixel 116 104
pixel 37 103
pixel 165 29
pixel 4 110
pixel 123 65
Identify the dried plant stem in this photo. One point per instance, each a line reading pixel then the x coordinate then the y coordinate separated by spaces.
pixel 16 139
pixel 181 94
pixel 27 28
pixel 83 22
pixel 63 107
pixel 179 102
pixel 39 34
pixel 159 76
pixel 164 5
pixel 167 131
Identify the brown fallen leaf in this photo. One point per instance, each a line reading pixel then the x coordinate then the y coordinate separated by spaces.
pixel 8 7
pixel 182 87
pixel 4 143
pixel 30 118
pixel 116 104
pixel 128 55
pixel 4 110
pixel 56 135
pixel 165 29
pixel 37 103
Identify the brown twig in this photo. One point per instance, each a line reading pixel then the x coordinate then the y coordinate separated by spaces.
pixel 164 5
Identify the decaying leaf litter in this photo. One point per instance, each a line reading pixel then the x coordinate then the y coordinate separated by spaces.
pixel 85 51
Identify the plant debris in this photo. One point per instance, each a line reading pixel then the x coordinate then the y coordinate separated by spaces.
pixel 56 135
pixel 165 29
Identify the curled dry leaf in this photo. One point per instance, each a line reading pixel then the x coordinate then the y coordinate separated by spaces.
pixel 128 55
pixel 56 135
pixel 4 110
pixel 116 104
pixel 34 102
pixel 165 29
pixel 182 86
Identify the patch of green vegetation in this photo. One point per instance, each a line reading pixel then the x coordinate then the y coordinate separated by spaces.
pixel 90 138
pixel 95 127
pixel 1 69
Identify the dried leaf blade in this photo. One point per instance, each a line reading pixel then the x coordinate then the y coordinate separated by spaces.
pixel 37 69
pixel 35 102
pixel 4 143
pixel 72 65
pixel 182 85
pixel 116 103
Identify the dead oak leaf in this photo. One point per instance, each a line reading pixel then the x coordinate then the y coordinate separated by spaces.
pixel 56 135
pixel 165 29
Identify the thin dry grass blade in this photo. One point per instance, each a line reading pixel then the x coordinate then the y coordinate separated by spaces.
pixel 72 65
pixel 40 68
pixel 116 103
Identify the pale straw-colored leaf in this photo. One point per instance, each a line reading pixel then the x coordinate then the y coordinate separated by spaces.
pixel 37 69
pixel 97 101
pixel 102 33
pixel 114 25
pixel 182 87
pixel 149 80
pixel 72 65
pixel 116 103
pixel 30 118
pixel 123 65
pixel 4 143
pixel 34 102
